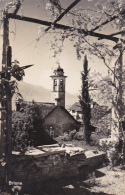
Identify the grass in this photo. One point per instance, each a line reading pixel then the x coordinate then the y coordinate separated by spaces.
pixel 102 181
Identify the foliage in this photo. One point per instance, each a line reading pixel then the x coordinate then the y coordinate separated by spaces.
pixel 54 7
pixel 100 88
pixel 27 128
pixel 12 4
pixel 109 14
pixel 85 23
pixel 11 85
pixel 84 100
pixel 73 135
pixel 16 71
pixel 88 23
pixel 111 148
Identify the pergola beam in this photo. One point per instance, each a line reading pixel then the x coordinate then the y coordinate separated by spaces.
pixel 17 7
pixel 64 12
pixel 64 27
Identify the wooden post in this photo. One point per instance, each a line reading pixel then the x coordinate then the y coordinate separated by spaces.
pixel 6 106
pixel 4 66
pixel 5 131
pixel 8 119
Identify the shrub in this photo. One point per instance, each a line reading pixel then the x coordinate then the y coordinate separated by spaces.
pixel 27 129
pixel 72 134
pixel 79 136
pixel 111 147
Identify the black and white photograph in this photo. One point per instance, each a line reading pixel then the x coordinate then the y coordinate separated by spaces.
pixel 62 97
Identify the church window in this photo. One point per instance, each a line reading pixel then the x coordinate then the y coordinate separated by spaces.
pixel 55 82
pixel 61 85
pixel 55 85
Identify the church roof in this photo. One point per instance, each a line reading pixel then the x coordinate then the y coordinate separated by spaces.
pixel 76 106
pixel 66 111
pixel 58 72
pixel 97 111
pixel 45 108
pixel 59 68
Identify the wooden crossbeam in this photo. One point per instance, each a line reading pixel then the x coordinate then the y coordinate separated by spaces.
pixel 64 12
pixel 17 7
pixel 117 33
pixel 64 27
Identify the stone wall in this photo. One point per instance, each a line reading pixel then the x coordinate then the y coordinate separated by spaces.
pixel 38 166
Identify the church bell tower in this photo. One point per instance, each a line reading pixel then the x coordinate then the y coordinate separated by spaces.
pixel 58 93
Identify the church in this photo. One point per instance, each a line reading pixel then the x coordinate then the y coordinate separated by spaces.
pixel 56 119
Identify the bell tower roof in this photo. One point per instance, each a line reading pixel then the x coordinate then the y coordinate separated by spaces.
pixel 59 71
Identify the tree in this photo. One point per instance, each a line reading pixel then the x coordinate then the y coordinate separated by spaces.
pixel 84 100
pixel 88 33
pixel 100 88
pixel 27 128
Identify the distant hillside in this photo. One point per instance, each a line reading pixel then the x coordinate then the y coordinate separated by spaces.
pixel 40 94
pixel 33 92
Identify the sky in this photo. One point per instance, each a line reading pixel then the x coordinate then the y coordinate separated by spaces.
pixel 27 50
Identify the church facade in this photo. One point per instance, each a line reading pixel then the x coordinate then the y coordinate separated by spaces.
pixel 59 120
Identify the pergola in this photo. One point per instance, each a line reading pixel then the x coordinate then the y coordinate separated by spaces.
pixel 6 107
